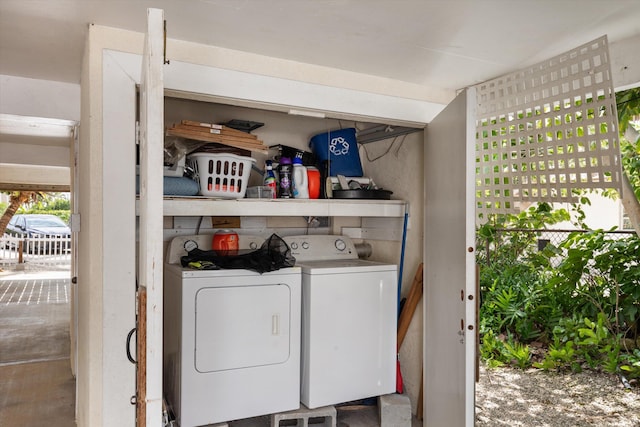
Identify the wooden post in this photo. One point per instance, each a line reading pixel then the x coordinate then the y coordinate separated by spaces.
pixel 415 294
pixel 141 371
pixel 409 308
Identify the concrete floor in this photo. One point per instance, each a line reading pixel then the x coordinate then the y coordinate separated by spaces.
pixel 37 388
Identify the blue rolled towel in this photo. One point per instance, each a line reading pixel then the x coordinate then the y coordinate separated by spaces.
pixel 175 186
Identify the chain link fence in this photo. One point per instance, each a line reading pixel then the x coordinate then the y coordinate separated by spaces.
pixel 537 239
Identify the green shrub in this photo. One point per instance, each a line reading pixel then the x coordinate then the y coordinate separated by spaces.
pixel 601 276
pixel 631 364
pixel 496 351
pixel 585 309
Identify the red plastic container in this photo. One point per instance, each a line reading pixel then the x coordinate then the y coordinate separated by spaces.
pixel 313 179
pixel 225 242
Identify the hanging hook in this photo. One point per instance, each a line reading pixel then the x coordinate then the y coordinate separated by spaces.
pixel 164 49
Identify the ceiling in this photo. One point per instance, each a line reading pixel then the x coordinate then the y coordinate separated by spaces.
pixel 445 44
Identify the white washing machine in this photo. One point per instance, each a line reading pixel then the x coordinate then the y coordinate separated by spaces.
pixel 231 341
pixel 349 322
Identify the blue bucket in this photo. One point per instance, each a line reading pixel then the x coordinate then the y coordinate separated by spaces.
pixel 340 148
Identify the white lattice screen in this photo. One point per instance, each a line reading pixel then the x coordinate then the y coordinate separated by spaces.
pixel 547 130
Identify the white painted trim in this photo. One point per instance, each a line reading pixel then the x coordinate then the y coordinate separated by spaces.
pixel 470 261
pixel 53 177
pixel 151 219
pixel 118 242
pixel 11 124
pixel 202 206
pixel 241 88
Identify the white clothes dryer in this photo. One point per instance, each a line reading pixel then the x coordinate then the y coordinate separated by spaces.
pixel 231 342
pixel 349 322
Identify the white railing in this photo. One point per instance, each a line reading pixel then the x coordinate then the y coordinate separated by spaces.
pixel 38 251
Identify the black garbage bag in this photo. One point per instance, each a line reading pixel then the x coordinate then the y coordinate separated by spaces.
pixel 274 254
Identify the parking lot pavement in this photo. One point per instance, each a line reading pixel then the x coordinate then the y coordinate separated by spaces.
pixel 33 290
pixel 37 388
pixel 12 274
pixel 34 317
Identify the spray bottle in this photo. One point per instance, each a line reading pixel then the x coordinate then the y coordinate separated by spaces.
pixel 270 179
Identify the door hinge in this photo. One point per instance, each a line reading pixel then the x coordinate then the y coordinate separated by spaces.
pixel 74 223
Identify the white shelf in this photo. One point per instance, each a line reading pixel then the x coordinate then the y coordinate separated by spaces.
pixel 202 206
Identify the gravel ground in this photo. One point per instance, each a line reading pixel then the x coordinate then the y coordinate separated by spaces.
pixel 535 398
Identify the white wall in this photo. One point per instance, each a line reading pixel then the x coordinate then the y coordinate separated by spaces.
pixel 42 100
pixel 39 98
pixel 44 155
pixel 401 170
pixel 603 213
pixel 625 62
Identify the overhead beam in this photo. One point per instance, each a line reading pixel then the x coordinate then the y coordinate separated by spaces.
pixel 14 177
pixel 11 124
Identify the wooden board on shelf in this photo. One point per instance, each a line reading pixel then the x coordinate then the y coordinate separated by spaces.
pixel 219 134
pixel 210 128
pixel 225 222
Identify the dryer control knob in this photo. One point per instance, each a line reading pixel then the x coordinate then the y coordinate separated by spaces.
pixel 340 245
pixel 305 245
pixel 294 245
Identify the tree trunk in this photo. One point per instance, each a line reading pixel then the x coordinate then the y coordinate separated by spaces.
pixel 630 204
pixel 15 201
pixel 629 200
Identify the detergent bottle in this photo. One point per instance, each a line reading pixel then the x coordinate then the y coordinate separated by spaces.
pixel 300 180
pixel 284 170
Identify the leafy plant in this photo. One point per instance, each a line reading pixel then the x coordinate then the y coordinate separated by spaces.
pixel 559 355
pixel 498 352
pixel 578 299
pixel 519 353
pixel 631 364
pixel 492 349
pixel 601 276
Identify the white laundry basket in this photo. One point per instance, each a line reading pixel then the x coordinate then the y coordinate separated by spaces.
pixel 221 175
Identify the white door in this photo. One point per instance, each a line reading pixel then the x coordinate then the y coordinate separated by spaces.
pixel 251 324
pixel 118 253
pixel 449 266
pixel 151 187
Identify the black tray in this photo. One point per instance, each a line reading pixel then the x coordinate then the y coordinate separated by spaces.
pixel 362 194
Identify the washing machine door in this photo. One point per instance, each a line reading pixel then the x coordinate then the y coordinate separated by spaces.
pixel 242 327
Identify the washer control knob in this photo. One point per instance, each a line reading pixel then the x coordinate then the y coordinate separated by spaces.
pixel 190 245
pixel 294 245
pixel 340 245
pixel 305 245
pixel 253 245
